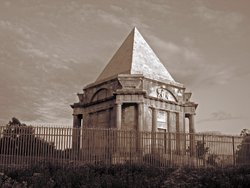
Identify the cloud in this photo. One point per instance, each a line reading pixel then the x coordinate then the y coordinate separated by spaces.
pixel 53 110
pixel 216 74
pixel 183 60
pixel 110 18
pixel 218 19
pixel 35 52
pixel 188 64
pixel 219 116
pixel 64 45
pixel 16 28
pixel 156 6
pixel 170 48
pixel 5 24
pixel 7 3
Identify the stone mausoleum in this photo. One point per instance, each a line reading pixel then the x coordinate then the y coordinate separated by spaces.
pixel 135 92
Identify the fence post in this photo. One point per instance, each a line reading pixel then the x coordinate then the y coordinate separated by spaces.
pixel 204 155
pixel 233 151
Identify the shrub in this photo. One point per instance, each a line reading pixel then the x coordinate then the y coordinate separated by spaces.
pixel 243 150
pixel 125 176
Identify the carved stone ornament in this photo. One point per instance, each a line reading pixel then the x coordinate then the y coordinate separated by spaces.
pixel 164 94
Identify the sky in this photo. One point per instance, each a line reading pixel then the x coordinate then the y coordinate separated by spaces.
pixel 51 49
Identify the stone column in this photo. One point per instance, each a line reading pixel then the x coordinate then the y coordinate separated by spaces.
pixel 154 118
pixel 84 120
pixel 76 135
pixel 85 137
pixel 191 123
pixel 178 137
pixel 119 116
pixel 169 134
pixel 140 116
pixel 154 129
pixel 192 136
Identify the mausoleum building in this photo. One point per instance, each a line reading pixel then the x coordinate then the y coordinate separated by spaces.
pixel 135 92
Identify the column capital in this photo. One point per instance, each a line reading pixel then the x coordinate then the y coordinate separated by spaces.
pixel 189 115
pixel 153 108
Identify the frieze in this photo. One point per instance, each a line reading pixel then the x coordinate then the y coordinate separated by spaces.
pixel 162 93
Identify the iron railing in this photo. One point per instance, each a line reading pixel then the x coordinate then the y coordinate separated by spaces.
pixel 22 146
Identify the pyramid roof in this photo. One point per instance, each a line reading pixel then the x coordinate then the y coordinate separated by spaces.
pixel 136 57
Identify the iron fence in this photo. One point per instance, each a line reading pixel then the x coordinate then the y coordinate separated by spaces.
pixel 22 146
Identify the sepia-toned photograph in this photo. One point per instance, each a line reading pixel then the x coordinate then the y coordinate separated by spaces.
pixel 124 93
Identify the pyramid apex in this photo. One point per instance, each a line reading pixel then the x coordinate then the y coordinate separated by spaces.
pixel 136 57
pixel 135 28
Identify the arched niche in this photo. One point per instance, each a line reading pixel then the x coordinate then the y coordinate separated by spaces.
pixel 101 94
pixel 165 94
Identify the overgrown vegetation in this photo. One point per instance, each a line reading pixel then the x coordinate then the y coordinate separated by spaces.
pixel 201 149
pixel 125 176
pixel 18 138
pixel 243 150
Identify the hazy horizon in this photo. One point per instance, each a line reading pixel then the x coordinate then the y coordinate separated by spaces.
pixel 49 50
